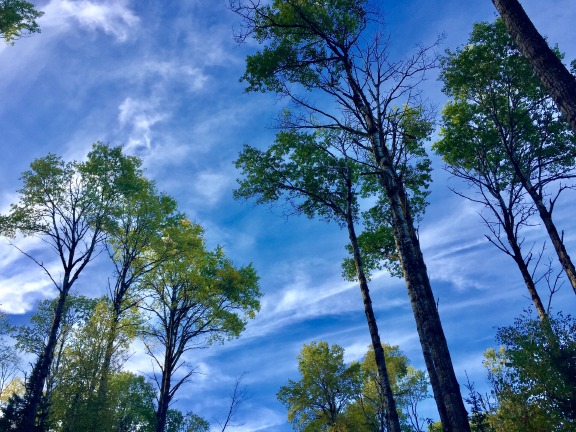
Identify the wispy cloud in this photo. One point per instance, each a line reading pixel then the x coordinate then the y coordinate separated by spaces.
pixel 137 117
pixel 114 18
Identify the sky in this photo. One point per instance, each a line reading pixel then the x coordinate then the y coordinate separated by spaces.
pixel 161 79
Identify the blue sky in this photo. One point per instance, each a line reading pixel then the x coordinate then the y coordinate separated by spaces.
pixel 162 79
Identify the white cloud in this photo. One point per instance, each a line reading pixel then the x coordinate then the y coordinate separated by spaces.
pixel 112 17
pixel 210 187
pixel 22 280
pixel 138 116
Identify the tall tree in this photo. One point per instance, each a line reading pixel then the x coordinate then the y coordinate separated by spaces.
pixel 141 216
pixel 555 77
pixel 336 48
pixel 193 299
pixel 74 399
pixel 66 205
pixel 501 129
pixel 319 176
pixel 317 401
pixel 534 379
pixel 33 338
pixel 18 19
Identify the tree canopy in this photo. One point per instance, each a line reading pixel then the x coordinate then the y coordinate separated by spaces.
pixel 18 19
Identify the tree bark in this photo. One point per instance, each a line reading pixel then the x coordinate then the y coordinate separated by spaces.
pixel 35 385
pixel 528 280
pixel 430 332
pixel 428 322
pixel 557 80
pixel 392 420
pixel 546 216
pixel 164 398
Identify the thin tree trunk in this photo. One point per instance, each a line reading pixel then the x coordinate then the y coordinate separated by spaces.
pixel 35 385
pixel 546 216
pixel 526 275
pixel 557 80
pixel 102 395
pixel 392 420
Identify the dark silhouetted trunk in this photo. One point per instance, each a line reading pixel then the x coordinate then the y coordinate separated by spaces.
pixel 557 80
pixel 165 393
pixel 37 380
pixel 428 324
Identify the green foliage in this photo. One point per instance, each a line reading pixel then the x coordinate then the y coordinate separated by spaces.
pixel 132 401
pixel 500 117
pixel 204 283
pixel 409 385
pixel 312 173
pixel 18 19
pixel 533 375
pixel 73 399
pixel 317 401
pixel 9 359
pixel 296 53
pixel 193 299
pixel 177 422
pixel 32 338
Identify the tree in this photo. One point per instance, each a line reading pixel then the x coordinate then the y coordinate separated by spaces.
pixel 318 176
pixel 132 401
pixel 317 401
pixel 9 359
pixel 18 19
pixel 142 214
pixel 74 399
pixel 66 205
pixel 33 338
pixel 410 387
pixel 502 132
pixel 335 48
pixel 533 375
pixel 177 422
pixel 195 298
pixel 555 77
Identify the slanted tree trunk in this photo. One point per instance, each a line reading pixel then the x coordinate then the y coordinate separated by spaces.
pixel 37 380
pixel 392 420
pixel 527 276
pixel 102 394
pixel 428 324
pixel 431 334
pixel 557 242
pixel 557 80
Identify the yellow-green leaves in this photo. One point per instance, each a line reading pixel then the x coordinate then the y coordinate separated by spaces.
pixel 18 19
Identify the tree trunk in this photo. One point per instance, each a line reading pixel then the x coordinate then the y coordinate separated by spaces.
pixel 526 275
pixel 439 363
pixel 428 324
pixel 392 420
pixel 164 397
pixel 546 216
pixel 35 384
pixel 102 395
pixel 557 80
